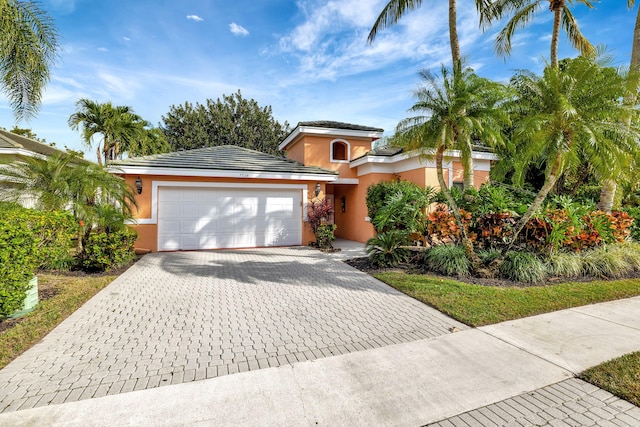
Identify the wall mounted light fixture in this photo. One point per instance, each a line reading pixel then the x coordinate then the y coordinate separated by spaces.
pixel 139 185
pixel 343 203
pixel 318 189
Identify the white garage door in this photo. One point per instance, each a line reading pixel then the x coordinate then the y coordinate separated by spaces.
pixel 212 218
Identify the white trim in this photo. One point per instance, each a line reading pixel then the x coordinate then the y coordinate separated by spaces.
pixel 480 155
pixel 347 181
pixel 21 152
pixel 155 186
pixel 213 173
pixel 313 130
pixel 348 149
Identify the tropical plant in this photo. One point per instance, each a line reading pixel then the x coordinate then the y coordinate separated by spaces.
pixel 108 250
pixel 457 107
pixel 570 110
pixel 28 49
pixel 118 126
pixel 395 10
pixel 398 205
pixel 450 260
pixel 522 12
pixel 65 182
pixel 388 249
pixel 610 184
pixel 325 235
pixel 523 266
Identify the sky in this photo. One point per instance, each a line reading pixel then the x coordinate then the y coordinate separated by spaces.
pixel 307 59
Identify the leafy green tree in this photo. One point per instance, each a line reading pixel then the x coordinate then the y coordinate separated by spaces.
pixel 233 120
pixel 522 12
pixel 28 49
pixel 118 127
pixel 569 112
pixel 151 140
pixel 457 106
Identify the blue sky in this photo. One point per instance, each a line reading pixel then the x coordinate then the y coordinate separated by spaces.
pixel 308 59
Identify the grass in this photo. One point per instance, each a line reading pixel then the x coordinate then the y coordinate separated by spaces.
pixel 619 376
pixel 71 293
pixel 477 305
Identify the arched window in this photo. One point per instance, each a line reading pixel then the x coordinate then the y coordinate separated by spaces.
pixel 339 151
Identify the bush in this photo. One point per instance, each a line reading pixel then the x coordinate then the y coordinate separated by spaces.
pixel 565 264
pixel 634 230
pixel 524 267
pixel 18 259
pixel 386 249
pixel 325 235
pixel 104 251
pixel 615 260
pixel 450 260
pixel 398 205
pixel 442 226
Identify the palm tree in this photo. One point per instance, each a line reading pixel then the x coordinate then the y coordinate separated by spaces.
pixel 118 126
pixel 28 49
pixel 610 185
pixel 522 13
pixel 66 182
pixel 569 112
pixel 458 106
pixel 395 10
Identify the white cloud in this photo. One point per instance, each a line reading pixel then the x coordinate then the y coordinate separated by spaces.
pixel 238 30
pixel 125 38
pixel 195 18
pixel 103 49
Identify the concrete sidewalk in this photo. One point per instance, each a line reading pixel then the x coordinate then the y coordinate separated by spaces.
pixel 514 373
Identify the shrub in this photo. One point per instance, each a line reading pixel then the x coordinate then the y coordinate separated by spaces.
pixel 54 232
pixel 450 260
pixel 615 260
pixel 398 205
pixel 442 226
pixel 488 255
pixel 522 266
pixel 386 249
pixel 494 228
pixel 18 260
pixel 104 250
pixel 325 235
pixel 565 264
pixel 634 229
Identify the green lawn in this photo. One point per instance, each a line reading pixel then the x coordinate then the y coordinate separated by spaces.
pixel 477 305
pixel 72 292
pixel 619 376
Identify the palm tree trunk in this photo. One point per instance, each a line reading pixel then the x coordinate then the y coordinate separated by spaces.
pixel 467 244
pixel 635 49
pixel 549 182
pixel 99 154
pixel 453 35
pixel 557 6
pixel 607 194
pixel 467 166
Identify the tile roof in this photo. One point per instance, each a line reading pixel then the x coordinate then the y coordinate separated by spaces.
pixel 224 157
pixel 13 141
pixel 339 125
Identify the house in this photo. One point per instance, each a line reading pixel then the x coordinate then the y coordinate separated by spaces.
pixel 231 197
pixel 15 147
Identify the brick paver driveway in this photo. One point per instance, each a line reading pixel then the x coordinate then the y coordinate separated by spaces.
pixel 186 316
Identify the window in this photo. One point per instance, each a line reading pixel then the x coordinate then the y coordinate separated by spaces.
pixel 458 185
pixel 339 151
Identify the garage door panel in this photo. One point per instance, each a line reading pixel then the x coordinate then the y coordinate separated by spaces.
pixel 211 218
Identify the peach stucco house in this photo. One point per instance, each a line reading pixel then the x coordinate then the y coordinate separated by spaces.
pixel 231 197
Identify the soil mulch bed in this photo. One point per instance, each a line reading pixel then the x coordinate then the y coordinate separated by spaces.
pixel 364 265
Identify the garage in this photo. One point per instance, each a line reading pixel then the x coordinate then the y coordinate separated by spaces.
pixel 221 197
pixel 192 218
